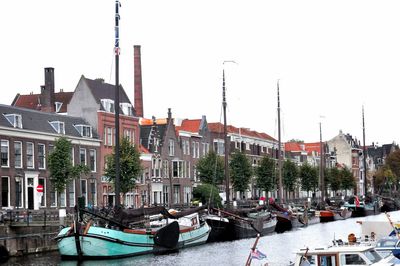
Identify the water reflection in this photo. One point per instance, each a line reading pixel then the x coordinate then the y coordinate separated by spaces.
pixel 279 248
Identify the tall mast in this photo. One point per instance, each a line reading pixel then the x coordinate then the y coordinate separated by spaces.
pixel 364 155
pixel 321 167
pixel 116 49
pixel 225 140
pixel 280 193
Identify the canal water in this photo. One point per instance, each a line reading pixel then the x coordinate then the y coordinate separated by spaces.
pixel 279 248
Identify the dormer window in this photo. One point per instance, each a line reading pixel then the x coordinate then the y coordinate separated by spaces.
pixel 14 119
pixel 84 130
pixel 108 105
pixel 127 108
pixel 58 126
pixel 58 106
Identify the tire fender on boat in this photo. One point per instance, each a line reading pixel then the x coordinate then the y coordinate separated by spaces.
pixel 4 254
pixel 168 236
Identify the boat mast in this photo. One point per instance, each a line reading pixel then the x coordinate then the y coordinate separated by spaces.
pixel 321 167
pixel 116 105
pixel 225 140
pixel 364 155
pixel 280 193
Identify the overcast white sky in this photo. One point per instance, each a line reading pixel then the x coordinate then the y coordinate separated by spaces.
pixel 331 57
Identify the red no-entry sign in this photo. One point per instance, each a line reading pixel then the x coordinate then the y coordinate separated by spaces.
pixel 39 188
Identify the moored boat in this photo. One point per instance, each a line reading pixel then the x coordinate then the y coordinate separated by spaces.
pixel 98 242
pixel 341 255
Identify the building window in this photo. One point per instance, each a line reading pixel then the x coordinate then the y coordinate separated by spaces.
pixel 53 196
pixel 93 192
pixel 5 192
pixel 186 192
pixel 219 147
pixel 108 105
pixel 92 155
pixel 109 136
pixel 84 190
pixel 165 194
pixel 71 191
pixel 171 147
pixel 128 135
pixel 30 163
pixel 58 106
pixel 5 153
pixel 14 119
pixel 176 195
pixel 84 130
pixel 42 182
pixel 41 156
pixel 126 108
pixel 58 126
pixel 82 156
pixel 63 200
pixel 18 187
pixel 206 148
pixel 18 154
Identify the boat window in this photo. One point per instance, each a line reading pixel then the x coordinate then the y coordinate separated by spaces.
pixel 386 243
pixel 310 260
pixel 352 259
pixel 372 255
pixel 327 260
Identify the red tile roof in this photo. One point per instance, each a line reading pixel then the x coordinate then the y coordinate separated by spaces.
pixel 190 125
pixel 31 101
pixel 313 147
pixel 219 128
pixel 293 146
pixel 148 122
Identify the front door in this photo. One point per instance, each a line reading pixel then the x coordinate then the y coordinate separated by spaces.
pixel 30 198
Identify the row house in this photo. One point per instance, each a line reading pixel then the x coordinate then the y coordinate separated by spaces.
pixel 174 152
pixel 94 100
pixel 253 144
pixel 26 138
pixel 348 153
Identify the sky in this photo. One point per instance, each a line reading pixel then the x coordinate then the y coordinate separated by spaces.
pixel 331 58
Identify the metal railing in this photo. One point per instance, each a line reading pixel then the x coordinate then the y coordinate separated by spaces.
pixel 33 218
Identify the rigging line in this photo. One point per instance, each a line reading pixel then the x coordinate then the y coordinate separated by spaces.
pixel 112 65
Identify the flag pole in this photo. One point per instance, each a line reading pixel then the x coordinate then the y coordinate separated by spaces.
pixel 248 262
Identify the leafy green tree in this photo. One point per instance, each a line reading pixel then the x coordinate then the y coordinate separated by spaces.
pixel 60 166
pixel 334 179
pixel 130 166
pixel 265 174
pixel 384 178
pixel 240 171
pixel 393 161
pixel 211 169
pixel 290 174
pixel 207 193
pixel 308 177
pixel 347 179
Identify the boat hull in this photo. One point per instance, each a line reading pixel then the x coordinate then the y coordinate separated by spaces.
pixel 326 216
pixel 239 229
pixel 105 243
pixel 219 229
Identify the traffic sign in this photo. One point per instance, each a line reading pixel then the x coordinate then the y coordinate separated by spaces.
pixel 39 188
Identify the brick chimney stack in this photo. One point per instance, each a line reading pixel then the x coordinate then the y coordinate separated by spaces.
pixel 138 81
pixel 47 91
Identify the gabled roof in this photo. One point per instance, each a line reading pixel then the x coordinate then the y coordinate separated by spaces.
pixel 293 147
pixel 219 128
pixel 39 121
pixel 32 101
pixel 189 125
pixel 102 90
pixel 313 147
pixel 149 131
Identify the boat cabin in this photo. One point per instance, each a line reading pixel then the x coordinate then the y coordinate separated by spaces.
pixel 340 256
